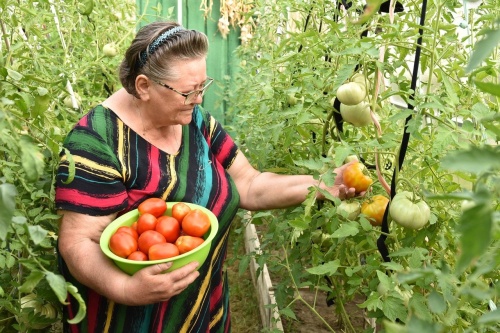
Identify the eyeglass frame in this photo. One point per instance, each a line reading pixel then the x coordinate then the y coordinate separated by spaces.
pixel 199 92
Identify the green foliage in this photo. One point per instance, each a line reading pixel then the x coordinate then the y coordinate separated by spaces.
pixel 52 70
pixel 442 278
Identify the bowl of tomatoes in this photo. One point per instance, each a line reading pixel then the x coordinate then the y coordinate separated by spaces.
pixel 158 232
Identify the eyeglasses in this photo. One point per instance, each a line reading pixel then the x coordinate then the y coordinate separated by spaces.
pixel 192 95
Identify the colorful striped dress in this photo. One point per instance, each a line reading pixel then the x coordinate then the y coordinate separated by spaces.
pixel 115 170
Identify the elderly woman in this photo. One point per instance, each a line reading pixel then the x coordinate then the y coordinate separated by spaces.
pixel 151 139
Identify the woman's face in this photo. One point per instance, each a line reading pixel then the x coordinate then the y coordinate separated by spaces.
pixel 169 105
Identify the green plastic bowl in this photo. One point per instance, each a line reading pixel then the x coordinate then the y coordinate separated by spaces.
pixel 198 254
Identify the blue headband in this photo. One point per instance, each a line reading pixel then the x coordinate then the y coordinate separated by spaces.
pixel 155 45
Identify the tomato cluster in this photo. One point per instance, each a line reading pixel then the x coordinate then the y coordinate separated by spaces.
pixel 157 236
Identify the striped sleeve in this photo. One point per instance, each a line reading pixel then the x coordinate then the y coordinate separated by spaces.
pixel 96 187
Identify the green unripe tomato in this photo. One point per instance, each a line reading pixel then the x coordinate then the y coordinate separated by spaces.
pixel 409 214
pixel 351 93
pixel 110 50
pixel 349 209
pixel 358 115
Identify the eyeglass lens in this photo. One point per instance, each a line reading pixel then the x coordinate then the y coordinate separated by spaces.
pixel 194 94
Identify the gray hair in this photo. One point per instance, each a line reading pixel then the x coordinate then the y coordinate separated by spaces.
pixel 151 54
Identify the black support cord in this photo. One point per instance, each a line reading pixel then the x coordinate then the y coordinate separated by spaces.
pixel 382 247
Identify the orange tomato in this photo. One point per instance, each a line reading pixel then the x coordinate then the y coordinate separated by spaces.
pixel 122 244
pixel 374 209
pixel 179 210
pixel 169 227
pixel 149 238
pixel 146 222
pixel 153 206
pixel 354 176
pixel 138 256
pixel 188 243
pixel 196 223
pixel 128 230
pixel 163 251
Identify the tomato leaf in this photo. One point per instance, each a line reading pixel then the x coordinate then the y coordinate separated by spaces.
pixel 483 48
pixel 31 160
pixel 71 166
pixel 312 164
pixel 31 281
pixel 475 223
pixel 8 193
pixel 436 302
pixel 37 233
pixel 82 308
pixel 490 317
pixel 475 160
pixel 391 327
pixel 328 268
pixel 288 313
pixel 488 87
pixel 58 285
pixel 417 325
pixel 373 303
pixel 300 223
pixel 346 230
pixel 393 309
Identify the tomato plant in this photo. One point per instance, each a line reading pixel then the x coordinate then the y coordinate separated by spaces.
pixel 196 223
pixel 179 210
pixel 122 244
pixel 354 176
pixel 188 243
pixel 437 97
pixel 169 228
pixel 149 238
pixel 153 206
pixel 162 251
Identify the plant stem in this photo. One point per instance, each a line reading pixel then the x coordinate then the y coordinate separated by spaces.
pixel 299 296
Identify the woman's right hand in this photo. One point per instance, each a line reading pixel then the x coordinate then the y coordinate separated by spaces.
pixel 152 285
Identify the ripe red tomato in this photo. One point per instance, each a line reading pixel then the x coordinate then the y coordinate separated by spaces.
pixel 163 251
pixel 179 210
pixel 122 244
pixel 128 230
pixel 187 243
pixel 153 206
pixel 168 227
pixel 134 226
pixel 374 208
pixel 354 176
pixel 146 222
pixel 196 223
pixel 138 256
pixel 149 238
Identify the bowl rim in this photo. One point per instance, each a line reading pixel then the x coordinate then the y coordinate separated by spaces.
pixel 116 223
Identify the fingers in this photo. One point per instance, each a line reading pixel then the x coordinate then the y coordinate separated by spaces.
pixel 345 192
pixel 160 268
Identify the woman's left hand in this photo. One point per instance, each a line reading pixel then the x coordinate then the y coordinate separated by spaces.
pixel 339 189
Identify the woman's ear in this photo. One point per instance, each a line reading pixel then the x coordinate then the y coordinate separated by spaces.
pixel 142 86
